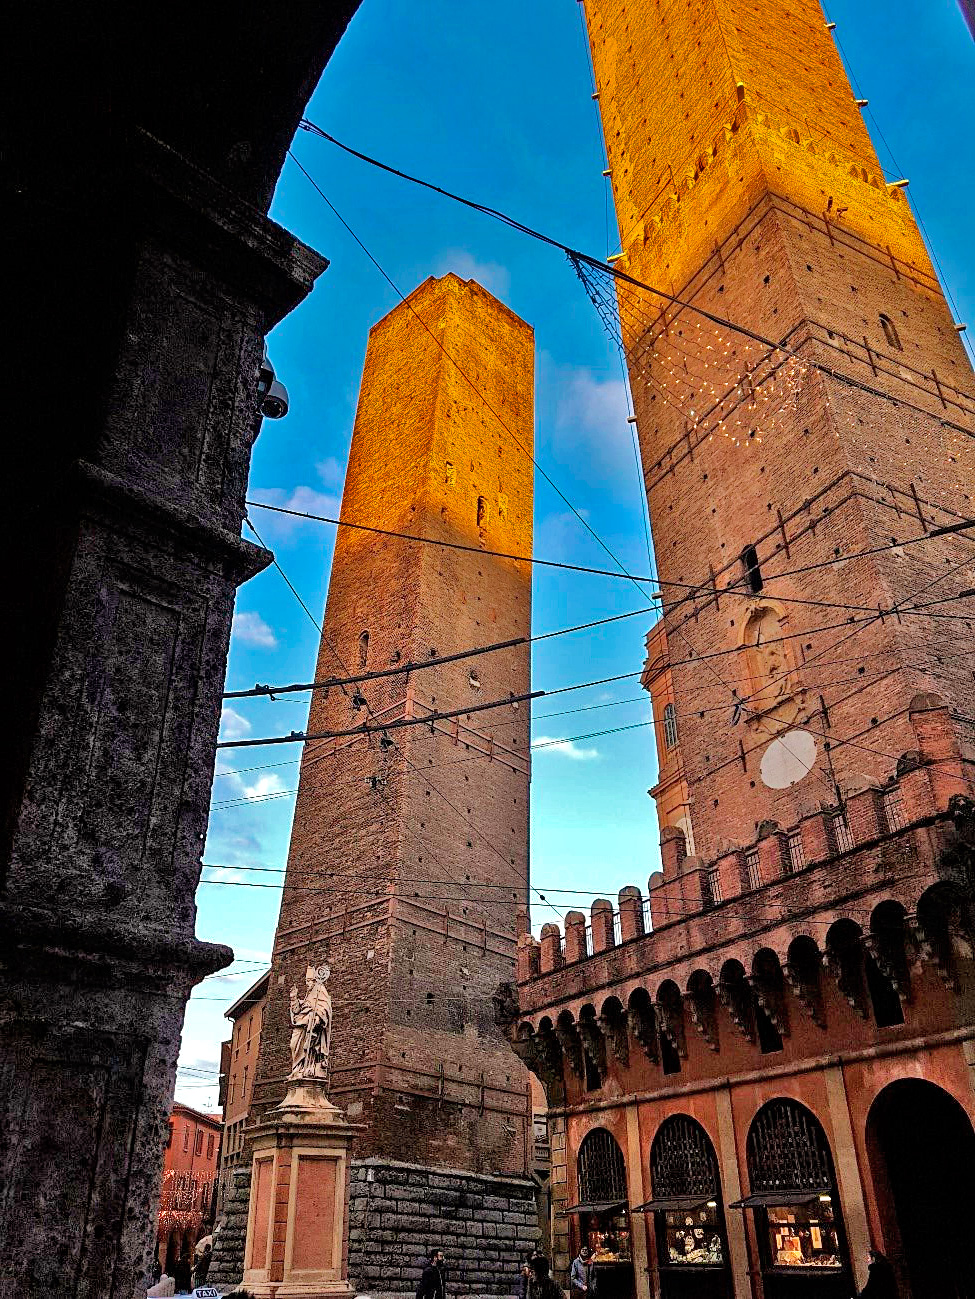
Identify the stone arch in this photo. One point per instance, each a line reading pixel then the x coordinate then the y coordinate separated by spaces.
pixel 844 960
pixel 670 1026
pixel 641 1019
pixel 804 971
pixel 945 927
pixel 921 1150
pixel 771 1009
pixel 770 678
pixel 702 1002
pixel 685 1179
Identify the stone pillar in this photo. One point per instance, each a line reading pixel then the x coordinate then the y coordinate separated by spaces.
pixel 297 1226
pixel 848 1180
pixel 136 564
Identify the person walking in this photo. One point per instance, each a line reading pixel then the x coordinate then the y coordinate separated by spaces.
pixel 881 1281
pixel 580 1274
pixel 433 1281
pixel 203 1265
pixel 540 1284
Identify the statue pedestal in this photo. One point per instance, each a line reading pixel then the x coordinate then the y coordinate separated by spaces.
pixel 297 1225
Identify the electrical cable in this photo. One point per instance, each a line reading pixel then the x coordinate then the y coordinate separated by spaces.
pixel 584 258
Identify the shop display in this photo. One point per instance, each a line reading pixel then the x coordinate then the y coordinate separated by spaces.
pixel 692 1236
pixel 609 1237
pixel 803 1235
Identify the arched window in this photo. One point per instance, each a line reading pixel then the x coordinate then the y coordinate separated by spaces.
pixel 670 726
pixel 793 1190
pixel 601 1169
pixel 686 1198
pixel 890 332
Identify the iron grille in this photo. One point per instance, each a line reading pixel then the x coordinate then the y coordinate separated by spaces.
pixel 601 1169
pixel 714 884
pixel 796 859
pixel 682 1160
pixel 754 869
pixel 841 832
pixel 893 810
pixel 787 1150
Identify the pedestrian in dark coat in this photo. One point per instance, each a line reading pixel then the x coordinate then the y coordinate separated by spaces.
pixel 881 1281
pixel 183 1276
pixel 541 1285
pixel 433 1284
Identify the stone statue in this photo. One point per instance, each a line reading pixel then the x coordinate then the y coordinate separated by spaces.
pixel 311 1033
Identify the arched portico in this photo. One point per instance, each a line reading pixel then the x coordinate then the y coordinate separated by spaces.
pixel 921 1148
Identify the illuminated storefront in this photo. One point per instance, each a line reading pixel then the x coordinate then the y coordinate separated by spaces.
pixel 692 1251
pixel 794 1198
pixel 602 1213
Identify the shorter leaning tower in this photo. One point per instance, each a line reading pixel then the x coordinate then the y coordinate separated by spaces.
pixel 408 863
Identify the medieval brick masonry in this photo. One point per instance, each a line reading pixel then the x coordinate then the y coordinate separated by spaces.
pixel 409 854
pixel 780 1074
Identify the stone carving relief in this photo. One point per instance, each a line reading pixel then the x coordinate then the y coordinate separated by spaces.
pixel 772 688
pixel 311 1026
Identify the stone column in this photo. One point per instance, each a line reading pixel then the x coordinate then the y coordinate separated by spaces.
pixel 135 568
pixel 297 1226
pixel 848 1173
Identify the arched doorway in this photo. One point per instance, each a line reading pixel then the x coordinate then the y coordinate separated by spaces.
pixel 793 1193
pixel 603 1212
pixel 692 1250
pixel 921 1147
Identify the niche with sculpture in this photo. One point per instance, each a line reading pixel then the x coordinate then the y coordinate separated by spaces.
pixel 773 695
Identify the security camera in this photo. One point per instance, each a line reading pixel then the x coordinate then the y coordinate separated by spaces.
pixel 275 404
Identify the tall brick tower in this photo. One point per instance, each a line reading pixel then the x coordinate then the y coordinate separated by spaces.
pixel 746 184
pixel 408 862
pixel 785 1051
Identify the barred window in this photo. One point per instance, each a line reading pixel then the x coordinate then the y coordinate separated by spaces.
pixel 787 1150
pixel 601 1169
pixel 670 726
pixel 796 857
pixel 893 809
pixel 682 1160
pixel 711 888
pixel 841 832
pixel 754 869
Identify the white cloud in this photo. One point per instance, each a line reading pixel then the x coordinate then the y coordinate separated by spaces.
pixel 331 471
pixel 491 275
pixel 233 725
pixel 568 748
pixel 303 499
pixel 251 629
pixel 264 785
pixel 586 401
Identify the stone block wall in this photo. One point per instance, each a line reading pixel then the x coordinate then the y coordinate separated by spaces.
pixel 227 1266
pixel 398 1212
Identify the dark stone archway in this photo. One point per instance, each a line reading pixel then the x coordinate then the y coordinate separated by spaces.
pixel 141 147
pixel 921 1146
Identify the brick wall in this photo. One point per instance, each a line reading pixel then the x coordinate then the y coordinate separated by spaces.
pixel 391 841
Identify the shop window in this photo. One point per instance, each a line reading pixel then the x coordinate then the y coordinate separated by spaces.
pixel 670 727
pixel 886 1005
pixel 890 332
pixel 752 570
pixel 793 1193
pixel 795 859
pixel 602 1209
pixel 687 1202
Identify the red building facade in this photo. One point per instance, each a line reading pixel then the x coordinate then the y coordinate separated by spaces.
pixel 779 1076
pixel 189 1182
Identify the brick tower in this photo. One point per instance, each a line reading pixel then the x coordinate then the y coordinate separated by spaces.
pixel 775 1074
pixel 746 185
pixel 408 863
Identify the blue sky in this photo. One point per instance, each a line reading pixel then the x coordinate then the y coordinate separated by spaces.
pixel 493 101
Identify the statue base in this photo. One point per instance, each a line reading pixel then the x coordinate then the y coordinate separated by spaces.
pixel 297 1225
